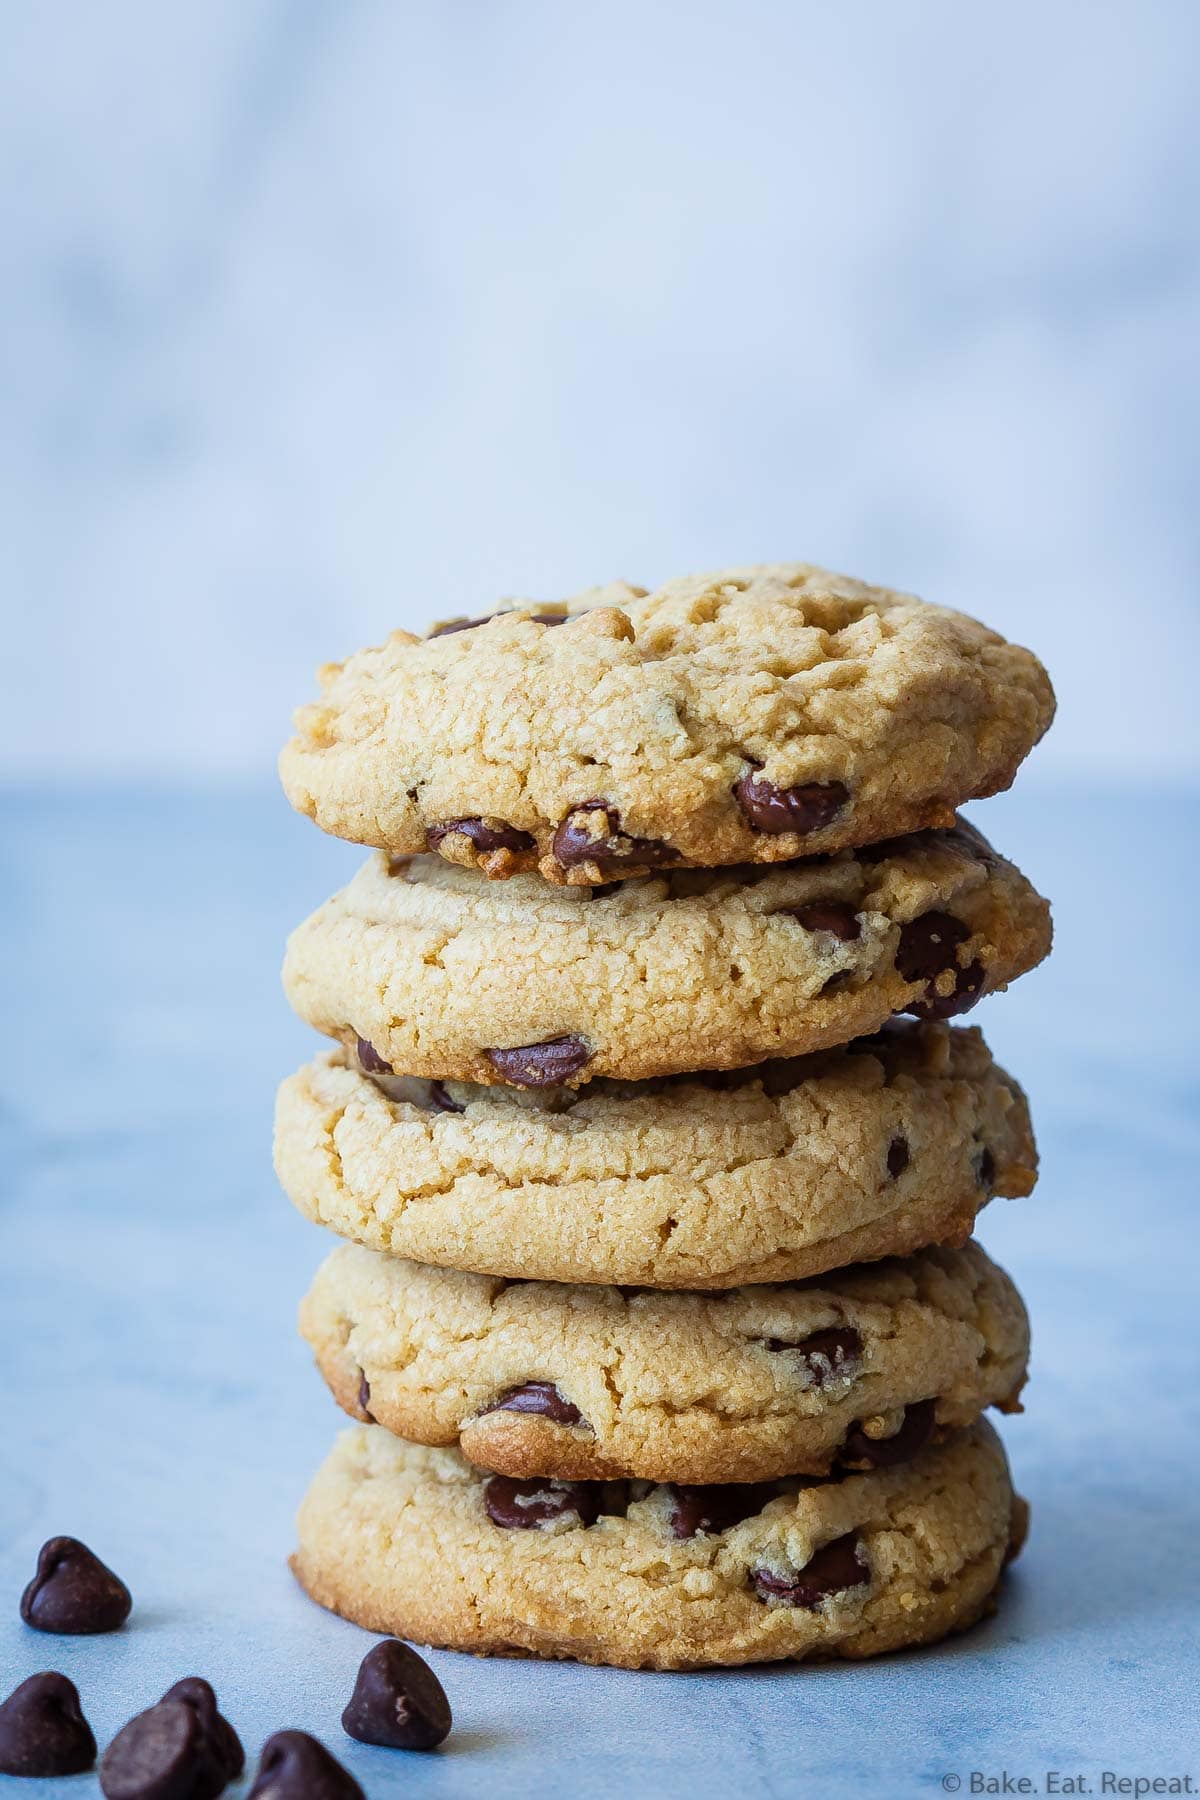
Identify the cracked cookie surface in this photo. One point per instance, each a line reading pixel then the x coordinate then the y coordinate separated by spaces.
pixel 859 1368
pixel 774 1173
pixel 442 973
pixel 416 1542
pixel 753 715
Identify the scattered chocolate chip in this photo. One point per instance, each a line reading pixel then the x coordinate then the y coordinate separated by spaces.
pixel 717 1506
pixel 928 949
pixel 540 1398
pixel 164 1753
pixel 43 1730
pixel 482 835
pixel 830 1354
pixel 841 921
pixel 520 1505
pixel 916 1429
pixel 453 625
pixel 294 1766
pixel 897 1157
pixel 986 1169
pixel 73 1592
pixel 370 1059
pixel 397 1701
pixel 364 1394
pixel 197 1693
pixel 802 809
pixel 835 1568
pixel 599 839
pixel 441 1100
pixel 541 1065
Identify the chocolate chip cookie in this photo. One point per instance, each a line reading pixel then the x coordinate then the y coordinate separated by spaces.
pixel 416 1542
pixel 862 1368
pixel 753 715
pixel 770 1173
pixel 443 973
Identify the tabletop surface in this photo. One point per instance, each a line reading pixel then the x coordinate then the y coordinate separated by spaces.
pixel 158 1404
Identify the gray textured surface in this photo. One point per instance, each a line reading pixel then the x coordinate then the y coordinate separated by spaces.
pixel 157 1403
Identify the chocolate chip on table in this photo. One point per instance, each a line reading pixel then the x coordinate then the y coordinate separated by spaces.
pixel 43 1730
pixel 717 1506
pixel 830 1355
pixel 916 1429
pixel 197 1693
pixel 541 1399
pixel 521 1505
pixel 827 915
pixel 836 1568
pixel 370 1059
pixel 928 949
pixel 809 807
pixel 294 1766
pixel 484 835
pixel 897 1157
pixel 73 1592
pixel 164 1753
pixel 591 833
pixel 541 1065
pixel 397 1701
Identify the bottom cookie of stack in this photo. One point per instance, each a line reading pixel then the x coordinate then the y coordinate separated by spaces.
pixel 418 1543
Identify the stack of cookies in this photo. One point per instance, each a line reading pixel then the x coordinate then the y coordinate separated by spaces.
pixel 655 1153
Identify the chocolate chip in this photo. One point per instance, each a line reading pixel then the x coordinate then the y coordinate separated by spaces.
pixel 370 1059
pixel 364 1395
pixel 482 835
pixel 397 1701
pixel 197 1693
pixel 441 1100
pixel 541 1065
pixel 897 1157
pixel 841 921
pixel 164 1753
pixel 293 1766
pixel 986 1169
pixel 600 840
pixel 43 1730
pixel 717 1506
pixel 73 1593
pixel 916 1429
pixel 928 949
pixel 520 1505
pixel 802 809
pixel 540 1398
pixel 453 625
pixel 835 1568
pixel 964 836
pixel 830 1354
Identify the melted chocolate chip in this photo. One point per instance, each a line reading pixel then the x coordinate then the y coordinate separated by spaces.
pixel 916 1429
pixel 986 1170
pixel 441 1100
pixel 541 1065
pixel 397 1701
pixel 164 1753
pixel 522 1505
pixel 716 1507
pixel 609 848
pixel 453 625
pixel 841 921
pixel 294 1766
pixel 897 1157
pixel 809 807
pixel 830 1355
pixel 73 1592
pixel 370 1060
pixel 364 1395
pixel 836 1568
pixel 541 1399
pixel 928 948
pixel 483 835
pixel 197 1693
pixel 43 1730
